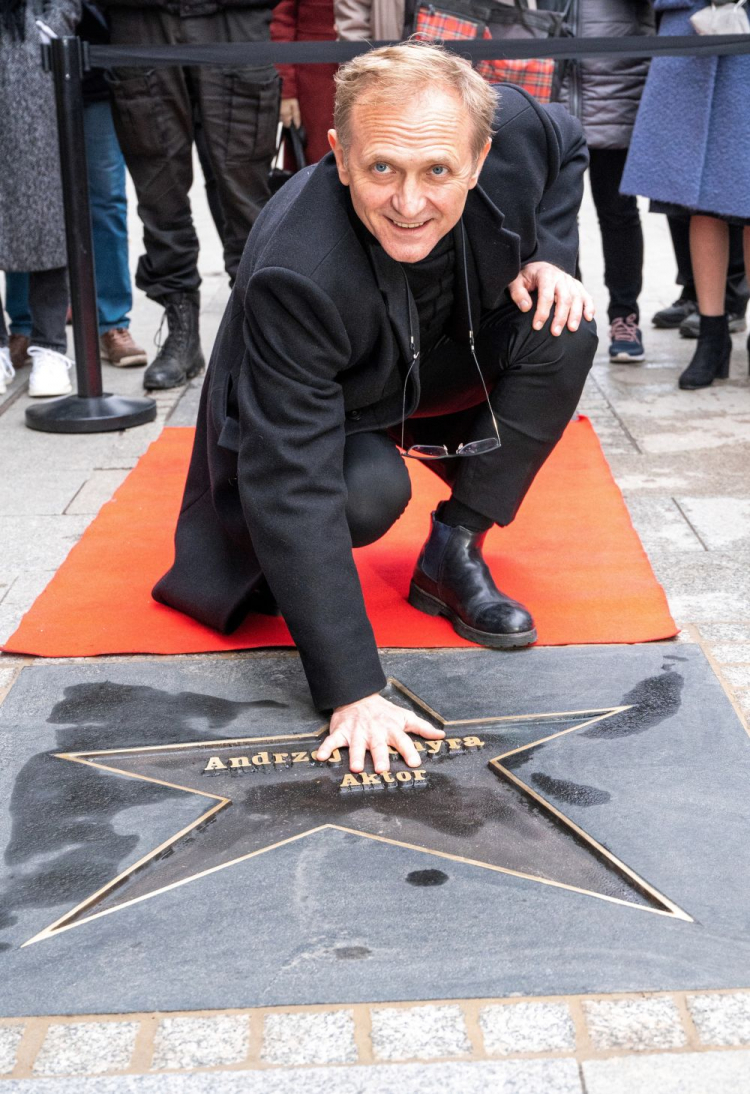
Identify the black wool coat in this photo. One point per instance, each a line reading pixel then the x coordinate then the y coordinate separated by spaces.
pixel 313 346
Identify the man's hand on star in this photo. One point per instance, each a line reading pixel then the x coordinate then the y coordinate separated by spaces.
pixel 553 287
pixel 373 724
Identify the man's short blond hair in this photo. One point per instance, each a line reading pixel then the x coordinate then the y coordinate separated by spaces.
pixel 395 73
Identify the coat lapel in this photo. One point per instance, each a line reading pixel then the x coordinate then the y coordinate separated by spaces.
pixel 495 249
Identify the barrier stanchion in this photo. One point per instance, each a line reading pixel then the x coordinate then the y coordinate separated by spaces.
pixel 92 410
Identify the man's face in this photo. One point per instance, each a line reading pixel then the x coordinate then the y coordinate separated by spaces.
pixel 409 168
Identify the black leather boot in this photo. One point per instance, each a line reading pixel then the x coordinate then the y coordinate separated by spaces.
pixel 712 354
pixel 452 579
pixel 180 358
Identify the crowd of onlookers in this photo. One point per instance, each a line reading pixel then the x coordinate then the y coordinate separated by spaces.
pixel 676 131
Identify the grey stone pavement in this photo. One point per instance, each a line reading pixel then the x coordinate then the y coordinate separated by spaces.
pixel 681 460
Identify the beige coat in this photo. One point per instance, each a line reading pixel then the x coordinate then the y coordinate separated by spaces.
pixel 376 20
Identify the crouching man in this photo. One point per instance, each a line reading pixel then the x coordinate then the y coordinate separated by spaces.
pixel 410 296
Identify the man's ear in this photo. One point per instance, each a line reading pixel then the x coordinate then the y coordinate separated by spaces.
pixel 479 164
pixel 338 152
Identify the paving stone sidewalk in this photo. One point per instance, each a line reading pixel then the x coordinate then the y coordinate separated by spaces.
pixel 681 460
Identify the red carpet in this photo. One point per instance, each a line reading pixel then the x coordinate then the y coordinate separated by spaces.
pixel 572 556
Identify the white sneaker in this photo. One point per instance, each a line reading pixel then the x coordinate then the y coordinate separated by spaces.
pixel 50 373
pixel 7 372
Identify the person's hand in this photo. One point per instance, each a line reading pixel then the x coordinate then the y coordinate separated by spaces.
pixel 374 724
pixel 553 286
pixel 289 113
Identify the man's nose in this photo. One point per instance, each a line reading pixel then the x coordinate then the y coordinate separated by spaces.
pixel 409 200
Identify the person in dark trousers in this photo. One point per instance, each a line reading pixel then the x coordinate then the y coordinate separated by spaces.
pixel 604 93
pixel 385 302
pixel 683 313
pixel 155 112
pixel 109 223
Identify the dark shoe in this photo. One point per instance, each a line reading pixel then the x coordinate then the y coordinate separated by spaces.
pixel 452 579
pixel 625 340
pixel 671 317
pixel 180 358
pixel 19 350
pixel 712 355
pixel 690 327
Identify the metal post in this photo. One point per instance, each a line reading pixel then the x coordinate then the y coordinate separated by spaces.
pixel 91 410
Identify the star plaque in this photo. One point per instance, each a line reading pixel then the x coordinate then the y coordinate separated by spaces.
pixel 465 803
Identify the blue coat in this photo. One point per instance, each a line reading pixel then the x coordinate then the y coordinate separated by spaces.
pixel 691 142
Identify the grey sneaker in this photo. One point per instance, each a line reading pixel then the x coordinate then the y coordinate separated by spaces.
pixel 690 327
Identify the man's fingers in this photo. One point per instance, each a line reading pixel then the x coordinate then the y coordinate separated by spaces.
pixel 357 750
pixel 334 740
pixel 519 294
pixel 424 729
pixel 589 308
pixel 380 760
pixel 404 744
pixel 545 300
pixel 575 313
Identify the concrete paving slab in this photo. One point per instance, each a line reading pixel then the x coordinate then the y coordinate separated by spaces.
pixel 527 1027
pixel 722 523
pixel 683 1073
pixel 501 1077
pixel 96 491
pixel 721 1019
pixel 207 1041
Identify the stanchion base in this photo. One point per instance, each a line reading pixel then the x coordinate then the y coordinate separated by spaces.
pixel 99 414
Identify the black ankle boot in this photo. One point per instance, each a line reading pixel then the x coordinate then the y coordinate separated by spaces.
pixel 711 358
pixel 452 579
pixel 180 358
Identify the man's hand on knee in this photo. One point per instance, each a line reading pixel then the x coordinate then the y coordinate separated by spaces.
pixel 373 724
pixel 553 287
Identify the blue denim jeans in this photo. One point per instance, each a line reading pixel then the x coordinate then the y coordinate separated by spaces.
pixel 106 166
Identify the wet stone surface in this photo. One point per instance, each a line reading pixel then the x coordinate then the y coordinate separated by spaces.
pixel 552 820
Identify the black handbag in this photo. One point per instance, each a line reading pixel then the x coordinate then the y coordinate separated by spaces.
pixel 292 143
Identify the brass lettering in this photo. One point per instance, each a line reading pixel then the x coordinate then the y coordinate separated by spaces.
pixel 418 745
pixel 453 743
pixel 370 780
pixel 419 776
pixel 300 757
pixel 387 777
pixel 280 757
pixel 433 747
pixel 403 776
pixel 335 757
pixel 349 781
pixel 215 764
pixel 473 742
pixel 261 758
pixel 239 761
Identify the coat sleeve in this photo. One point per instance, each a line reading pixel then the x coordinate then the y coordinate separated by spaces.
pixel 557 213
pixel 62 16
pixel 284 29
pixel 353 19
pixel 291 480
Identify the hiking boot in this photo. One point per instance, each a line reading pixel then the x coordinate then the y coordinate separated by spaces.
pixel 7 372
pixel 452 579
pixel 117 347
pixel 50 373
pixel 180 358
pixel 625 340
pixel 690 327
pixel 671 317
pixel 19 350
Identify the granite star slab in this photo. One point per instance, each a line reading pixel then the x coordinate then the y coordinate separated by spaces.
pixel 577 830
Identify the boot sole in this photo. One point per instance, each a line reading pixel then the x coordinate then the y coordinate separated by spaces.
pixel 191 373
pixel 136 361
pixel 430 605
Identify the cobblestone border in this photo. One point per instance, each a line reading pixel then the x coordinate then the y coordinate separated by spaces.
pixel 589 1027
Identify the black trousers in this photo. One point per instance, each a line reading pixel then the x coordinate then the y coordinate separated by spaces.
pixel 535 382
pixel 155 112
pixel 48 304
pixel 737 289
pixel 622 235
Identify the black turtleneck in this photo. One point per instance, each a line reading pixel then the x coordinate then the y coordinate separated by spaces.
pixel 431 283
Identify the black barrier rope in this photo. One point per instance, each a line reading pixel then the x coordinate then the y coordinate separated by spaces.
pixel 232 54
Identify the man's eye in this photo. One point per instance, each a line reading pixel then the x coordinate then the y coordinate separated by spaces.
pixel 439 170
pixel 380 168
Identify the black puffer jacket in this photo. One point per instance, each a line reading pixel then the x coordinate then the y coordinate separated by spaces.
pixel 604 92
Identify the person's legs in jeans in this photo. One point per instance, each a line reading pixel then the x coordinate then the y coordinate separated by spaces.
pixel 17 303
pixel 106 169
pixel 48 302
pixel 7 372
pixel 622 245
